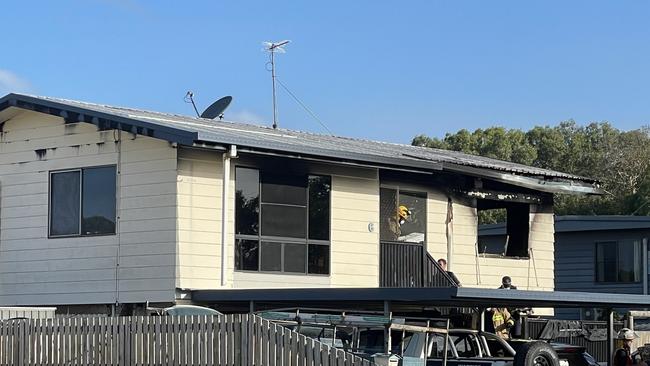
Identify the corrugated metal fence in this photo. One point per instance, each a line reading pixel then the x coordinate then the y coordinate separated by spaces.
pixel 598 349
pixel 228 340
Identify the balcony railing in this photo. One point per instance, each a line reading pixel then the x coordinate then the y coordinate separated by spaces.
pixel 410 265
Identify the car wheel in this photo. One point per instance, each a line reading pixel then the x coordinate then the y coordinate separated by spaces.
pixel 536 354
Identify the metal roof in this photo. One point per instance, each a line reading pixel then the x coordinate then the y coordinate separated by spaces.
pixel 423 296
pixel 190 131
pixel 575 223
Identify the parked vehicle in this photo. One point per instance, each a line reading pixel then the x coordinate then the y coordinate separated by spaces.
pixel 183 310
pixel 471 347
pixel 364 335
pixel 575 355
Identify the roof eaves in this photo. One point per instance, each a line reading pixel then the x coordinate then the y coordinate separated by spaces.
pixel 100 119
pixel 535 183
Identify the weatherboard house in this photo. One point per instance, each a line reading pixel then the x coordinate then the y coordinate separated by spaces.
pixel 105 206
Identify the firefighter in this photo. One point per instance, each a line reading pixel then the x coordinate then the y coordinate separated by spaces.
pixel 624 355
pixel 403 213
pixel 502 322
pixel 395 222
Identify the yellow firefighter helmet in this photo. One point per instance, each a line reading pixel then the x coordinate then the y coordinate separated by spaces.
pixel 403 214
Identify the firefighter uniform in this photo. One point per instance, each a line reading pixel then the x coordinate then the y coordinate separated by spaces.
pixel 502 322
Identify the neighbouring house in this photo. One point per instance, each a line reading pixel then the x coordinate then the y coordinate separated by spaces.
pixel 112 206
pixel 593 254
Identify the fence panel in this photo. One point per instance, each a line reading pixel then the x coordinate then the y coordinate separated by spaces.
pixel 229 340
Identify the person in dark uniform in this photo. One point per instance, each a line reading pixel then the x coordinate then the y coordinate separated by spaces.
pixel 624 355
pixel 443 264
pixel 506 283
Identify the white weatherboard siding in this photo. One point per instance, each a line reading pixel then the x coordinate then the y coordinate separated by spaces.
pixel 535 273
pixel 199 219
pixel 354 249
pixel 35 270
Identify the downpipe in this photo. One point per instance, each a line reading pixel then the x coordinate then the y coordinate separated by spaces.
pixel 227 156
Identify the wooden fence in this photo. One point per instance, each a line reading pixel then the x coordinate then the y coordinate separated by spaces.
pixel 229 340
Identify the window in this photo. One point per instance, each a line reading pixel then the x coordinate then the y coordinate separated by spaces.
pixel 466 345
pixel 82 202
pixel 403 215
pixel 437 346
pixel 618 261
pixel 514 218
pixel 282 222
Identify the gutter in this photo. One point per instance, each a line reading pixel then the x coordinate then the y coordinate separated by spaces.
pixel 567 187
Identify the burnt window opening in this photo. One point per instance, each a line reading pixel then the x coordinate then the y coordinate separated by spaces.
pixel 506 226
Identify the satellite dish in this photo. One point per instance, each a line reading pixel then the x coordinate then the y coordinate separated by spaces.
pixel 216 109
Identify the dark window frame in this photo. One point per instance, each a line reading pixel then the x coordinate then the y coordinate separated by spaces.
pixel 81 202
pixel 282 239
pixel 638 266
pixel 406 189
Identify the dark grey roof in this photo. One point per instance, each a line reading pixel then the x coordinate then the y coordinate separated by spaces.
pixel 573 223
pixel 451 296
pixel 191 130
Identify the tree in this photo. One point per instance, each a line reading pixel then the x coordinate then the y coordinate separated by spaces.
pixel 620 160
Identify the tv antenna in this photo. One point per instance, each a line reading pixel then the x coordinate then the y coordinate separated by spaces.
pixel 189 98
pixel 272 48
pixel 215 109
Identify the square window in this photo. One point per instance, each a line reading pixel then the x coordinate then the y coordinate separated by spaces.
pixel 282 213
pixel 83 202
pixel 618 261
pixel 319 259
pixel 403 215
pixel 280 220
pixel 247 255
pixel 295 258
pixel 513 218
pixel 271 257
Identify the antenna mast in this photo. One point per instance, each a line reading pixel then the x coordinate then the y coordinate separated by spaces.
pixel 272 48
pixel 189 98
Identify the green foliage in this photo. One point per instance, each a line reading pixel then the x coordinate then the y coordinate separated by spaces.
pixel 493 216
pixel 618 159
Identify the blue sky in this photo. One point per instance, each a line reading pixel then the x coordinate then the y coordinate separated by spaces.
pixel 374 69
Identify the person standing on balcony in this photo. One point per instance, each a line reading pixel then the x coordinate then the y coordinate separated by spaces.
pixel 506 283
pixel 442 262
